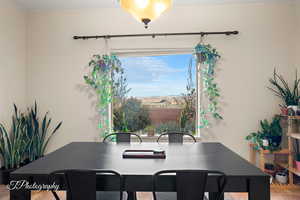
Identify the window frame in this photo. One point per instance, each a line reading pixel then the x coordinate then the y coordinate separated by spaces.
pixel 143 52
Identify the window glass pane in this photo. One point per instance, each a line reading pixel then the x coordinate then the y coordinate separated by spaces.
pixel 159 95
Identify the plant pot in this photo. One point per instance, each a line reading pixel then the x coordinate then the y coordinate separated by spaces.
pixel 281 178
pixel 292 110
pixel 150 133
pixel 5 175
pixel 297 165
pixel 200 57
pixel 284 111
pixel 270 169
pixel 265 142
pixel 274 141
pixel 25 162
pixel 294 107
pixel 270 172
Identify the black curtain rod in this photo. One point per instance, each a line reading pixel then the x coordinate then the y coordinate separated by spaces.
pixel 154 35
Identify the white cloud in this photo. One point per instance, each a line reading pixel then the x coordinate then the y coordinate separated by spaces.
pixel 147 69
pixel 151 76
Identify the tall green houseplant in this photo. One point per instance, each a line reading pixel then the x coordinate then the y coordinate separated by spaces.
pixel 13 144
pixel 281 88
pixel 38 133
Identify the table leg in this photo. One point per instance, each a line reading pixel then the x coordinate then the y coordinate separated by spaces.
pixel 131 196
pixel 259 189
pixel 68 195
pixel 215 196
pixel 20 195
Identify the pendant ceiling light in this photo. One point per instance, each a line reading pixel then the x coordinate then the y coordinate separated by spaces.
pixel 146 10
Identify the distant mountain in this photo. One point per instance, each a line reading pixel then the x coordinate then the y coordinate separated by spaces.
pixel 162 101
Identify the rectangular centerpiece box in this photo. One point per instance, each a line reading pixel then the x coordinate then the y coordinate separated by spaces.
pixel 150 154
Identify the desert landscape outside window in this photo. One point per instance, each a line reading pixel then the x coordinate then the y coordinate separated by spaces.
pixel 155 94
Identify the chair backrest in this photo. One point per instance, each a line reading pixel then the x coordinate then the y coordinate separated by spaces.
pixel 191 184
pixel 122 137
pixel 176 137
pixel 81 184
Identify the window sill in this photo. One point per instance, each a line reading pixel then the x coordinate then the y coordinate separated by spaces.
pixel 154 138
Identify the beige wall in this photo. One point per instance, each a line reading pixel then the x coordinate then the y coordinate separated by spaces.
pixel 56 63
pixel 298 34
pixel 12 59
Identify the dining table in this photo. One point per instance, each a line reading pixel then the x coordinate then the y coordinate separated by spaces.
pixel 242 176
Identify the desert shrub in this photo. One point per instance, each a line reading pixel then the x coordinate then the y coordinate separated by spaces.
pixel 190 127
pixel 175 126
pixel 167 126
pixel 131 116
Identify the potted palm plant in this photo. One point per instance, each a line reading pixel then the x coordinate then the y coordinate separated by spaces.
pixel 289 95
pixel 13 146
pixel 269 137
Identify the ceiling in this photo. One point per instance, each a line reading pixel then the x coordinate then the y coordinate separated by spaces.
pixel 74 4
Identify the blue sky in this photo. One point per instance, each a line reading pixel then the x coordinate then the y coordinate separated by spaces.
pixel 156 75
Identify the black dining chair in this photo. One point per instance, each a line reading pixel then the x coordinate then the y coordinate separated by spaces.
pixel 122 137
pixel 176 137
pixel 81 184
pixel 190 184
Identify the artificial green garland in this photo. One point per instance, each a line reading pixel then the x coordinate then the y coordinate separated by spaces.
pixel 208 57
pixel 99 78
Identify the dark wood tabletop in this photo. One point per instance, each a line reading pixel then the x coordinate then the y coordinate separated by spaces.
pixel 242 176
pixel 86 155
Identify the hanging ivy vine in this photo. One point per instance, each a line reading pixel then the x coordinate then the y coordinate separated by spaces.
pixel 208 56
pixel 102 67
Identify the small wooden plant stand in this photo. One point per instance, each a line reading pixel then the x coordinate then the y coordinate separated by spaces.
pixel 293 134
pixel 262 161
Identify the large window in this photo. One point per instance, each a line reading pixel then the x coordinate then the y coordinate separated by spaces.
pixel 156 94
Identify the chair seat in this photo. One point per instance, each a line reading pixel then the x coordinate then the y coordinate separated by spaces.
pixel 110 196
pixel 169 196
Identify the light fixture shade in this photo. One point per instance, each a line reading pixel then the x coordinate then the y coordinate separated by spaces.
pixel 146 10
